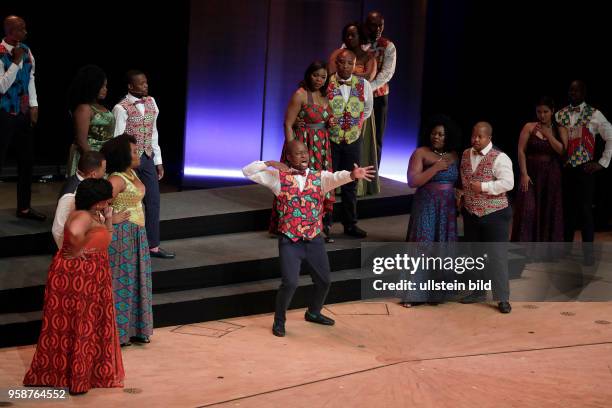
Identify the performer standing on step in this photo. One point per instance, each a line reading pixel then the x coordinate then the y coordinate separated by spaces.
pixel 351 101
pixel 136 115
pixel 486 176
pixel 301 192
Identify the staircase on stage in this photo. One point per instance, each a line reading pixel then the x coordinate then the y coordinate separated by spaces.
pixel 226 264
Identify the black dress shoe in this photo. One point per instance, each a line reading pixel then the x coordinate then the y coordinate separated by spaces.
pixel 474 297
pixel 160 253
pixel 140 339
pixel 75 393
pixel 355 231
pixel 32 214
pixel 278 329
pixel 126 344
pixel 504 307
pixel 318 318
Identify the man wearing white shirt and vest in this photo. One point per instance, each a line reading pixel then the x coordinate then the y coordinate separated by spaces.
pixel 18 109
pixel 136 115
pixel 300 192
pixel 385 54
pixel 486 177
pixel 581 123
pixel 350 99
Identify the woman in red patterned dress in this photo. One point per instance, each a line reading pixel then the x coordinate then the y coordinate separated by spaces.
pixel 78 346
pixel 308 119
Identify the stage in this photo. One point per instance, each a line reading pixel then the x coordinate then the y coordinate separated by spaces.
pixel 378 354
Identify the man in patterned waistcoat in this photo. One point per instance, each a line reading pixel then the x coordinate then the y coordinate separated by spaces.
pixel 385 54
pixel 581 123
pixel 486 177
pixel 18 110
pixel 351 101
pixel 300 192
pixel 136 115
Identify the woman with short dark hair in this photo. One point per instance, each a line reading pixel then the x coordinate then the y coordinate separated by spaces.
pixel 78 311
pixel 129 250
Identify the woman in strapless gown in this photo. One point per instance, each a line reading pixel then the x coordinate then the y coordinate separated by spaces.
pixel 78 346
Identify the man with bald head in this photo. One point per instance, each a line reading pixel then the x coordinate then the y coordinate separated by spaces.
pixel 351 102
pixel 300 192
pixel 18 109
pixel 385 54
pixel 486 176
pixel 582 123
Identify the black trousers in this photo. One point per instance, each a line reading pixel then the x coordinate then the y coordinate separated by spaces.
pixel 291 256
pixel 344 156
pixel 491 228
pixel 18 128
pixel 578 189
pixel 148 175
pixel 381 104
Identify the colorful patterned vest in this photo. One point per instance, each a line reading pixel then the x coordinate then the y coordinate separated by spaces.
pixel 16 99
pixel 581 142
pixel 481 204
pixel 141 126
pixel 299 212
pixel 349 114
pixel 378 48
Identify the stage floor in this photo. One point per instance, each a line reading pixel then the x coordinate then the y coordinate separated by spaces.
pixel 379 354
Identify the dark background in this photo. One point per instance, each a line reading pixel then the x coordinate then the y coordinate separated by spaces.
pixel 483 61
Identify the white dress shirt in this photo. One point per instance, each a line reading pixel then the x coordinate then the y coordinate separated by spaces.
pixel 368 96
pixel 121 117
pixel 65 206
pixel 8 77
pixel 598 125
pixel 388 67
pixel 261 174
pixel 502 171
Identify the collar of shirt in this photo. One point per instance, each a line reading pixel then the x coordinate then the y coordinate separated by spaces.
pixel 484 151
pixel 81 178
pixel 581 106
pixel 132 99
pixel 344 80
pixel 8 46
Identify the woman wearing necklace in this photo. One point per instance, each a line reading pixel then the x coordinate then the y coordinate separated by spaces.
pixel 93 123
pixel 78 346
pixel 307 119
pixel 129 250
pixel 433 170
pixel 538 211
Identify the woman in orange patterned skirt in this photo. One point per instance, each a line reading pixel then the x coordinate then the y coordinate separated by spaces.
pixel 78 346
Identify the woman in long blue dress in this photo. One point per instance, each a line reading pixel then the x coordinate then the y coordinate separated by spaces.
pixel 434 170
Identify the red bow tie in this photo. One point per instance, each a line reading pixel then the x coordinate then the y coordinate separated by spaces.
pixel 575 109
pixel 139 101
pixel 476 153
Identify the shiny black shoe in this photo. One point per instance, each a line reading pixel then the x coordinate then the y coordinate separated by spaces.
pixel 318 318
pixel 126 344
pixel 278 329
pixel 160 253
pixel 474 297
pixel 355 231
pixel 140 339
pixel 31 214
pixel 504 307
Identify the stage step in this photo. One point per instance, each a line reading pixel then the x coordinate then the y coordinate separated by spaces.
pixel 197 213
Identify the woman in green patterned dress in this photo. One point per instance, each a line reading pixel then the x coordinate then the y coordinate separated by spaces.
pixel 93 123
